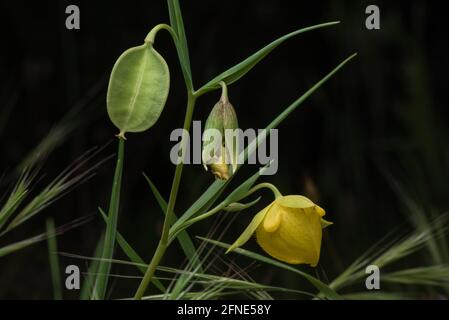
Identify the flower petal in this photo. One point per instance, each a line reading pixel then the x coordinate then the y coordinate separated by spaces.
pixel 273 218
pixel 297 239
pixel 295 201
pixel 325 223
pixel 246 235
pixel 320 211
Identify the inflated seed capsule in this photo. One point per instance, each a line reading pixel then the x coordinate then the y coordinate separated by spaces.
pixel 138 89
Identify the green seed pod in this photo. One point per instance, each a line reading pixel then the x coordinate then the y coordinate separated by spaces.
pixel 138 89
pixel 225 152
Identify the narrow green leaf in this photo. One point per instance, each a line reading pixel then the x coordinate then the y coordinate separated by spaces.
pixel 15 199
pixel 236 72
pixel 177 25
pixel 249 231
pixel 13 247
pixel 138 89
pixel 20 245
pixel 17 196
pixel 160 200
pixel 307 94
pixel 203 203
pixel 237 206
pixel 242 190
pixel 53 259
pixel 437 275
pixel 111 226
pixel 135 258
pixel 329 293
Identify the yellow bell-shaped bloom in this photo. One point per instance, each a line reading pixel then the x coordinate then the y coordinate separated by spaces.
pixel 289 229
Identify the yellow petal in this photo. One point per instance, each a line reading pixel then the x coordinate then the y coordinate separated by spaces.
pixel 295 201
pixel 220 171
pixel 297 238
pixel 272 219
pixel 300 202
pixel 320 211
pixel 246 235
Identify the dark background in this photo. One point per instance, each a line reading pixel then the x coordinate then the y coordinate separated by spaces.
pixel 382 117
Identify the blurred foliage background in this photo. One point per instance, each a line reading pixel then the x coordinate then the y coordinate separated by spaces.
pixel 371 146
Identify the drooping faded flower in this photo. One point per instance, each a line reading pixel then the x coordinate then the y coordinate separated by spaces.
pixel 220 151
pixel 289 229
pixel 219 166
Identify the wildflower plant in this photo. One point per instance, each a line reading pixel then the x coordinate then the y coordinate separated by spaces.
pixel 137 93
pixel 288 229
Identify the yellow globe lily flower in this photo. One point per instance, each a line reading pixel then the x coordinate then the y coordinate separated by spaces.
pixel 289 229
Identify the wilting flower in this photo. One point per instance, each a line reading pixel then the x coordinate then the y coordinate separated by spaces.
pixel 219 167
pixel 289 229
pixel 219 151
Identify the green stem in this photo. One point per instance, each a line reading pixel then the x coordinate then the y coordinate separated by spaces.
pixel 152 34
pixel 111 226
pixel 221 206
pixel 224 92
pixel 188 223
pixel 266 185
pixel 163 242
pixel 157 257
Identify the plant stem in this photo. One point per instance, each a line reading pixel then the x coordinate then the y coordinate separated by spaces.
pixel 267 185
pixel 163 242
pixel 111 226
pixel 188 223
pixel 152 34
pixel 221 206
pixel 224 92
pixel 211 212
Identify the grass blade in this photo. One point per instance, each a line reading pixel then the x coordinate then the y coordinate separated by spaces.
pixel 87 289
pixel 53 259
pixel 177 24
pixel 111 226
pixel 60 186
pixel 385 255
pixel 318 284
pixel 429 276
pixel 16 197
pixel 40 237
pixel 21 245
